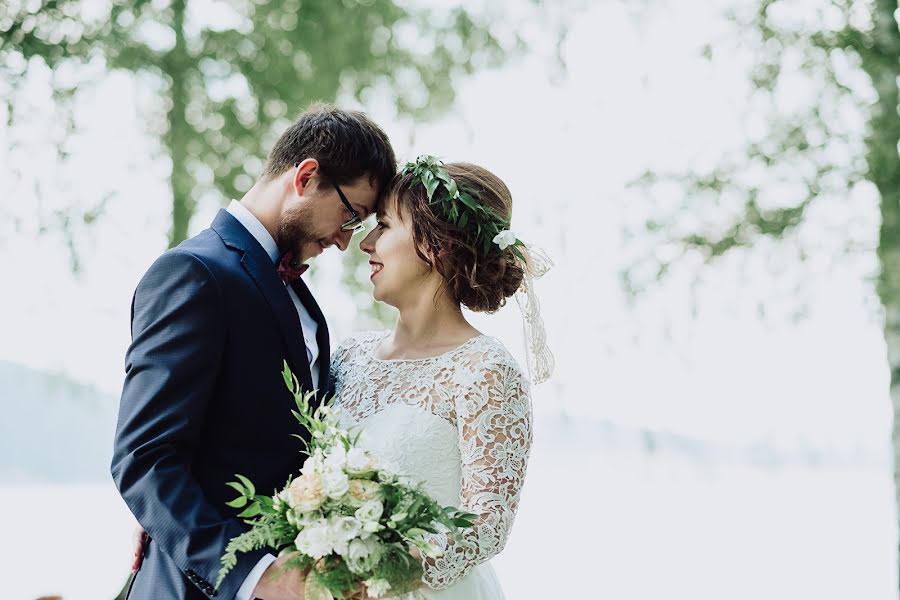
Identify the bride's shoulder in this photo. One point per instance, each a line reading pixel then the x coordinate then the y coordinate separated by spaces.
pixel 490 354
pixel 359 342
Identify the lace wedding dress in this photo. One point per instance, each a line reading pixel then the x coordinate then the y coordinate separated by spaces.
pixel 459 422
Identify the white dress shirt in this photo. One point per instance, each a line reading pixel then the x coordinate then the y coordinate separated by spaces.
pixel 258 231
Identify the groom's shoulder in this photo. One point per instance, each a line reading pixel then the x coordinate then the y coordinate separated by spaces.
pixel 206 244
pixel 206 248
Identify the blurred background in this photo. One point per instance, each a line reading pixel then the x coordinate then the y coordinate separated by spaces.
pixel 718 183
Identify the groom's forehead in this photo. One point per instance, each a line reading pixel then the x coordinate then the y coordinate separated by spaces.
pixel 363 195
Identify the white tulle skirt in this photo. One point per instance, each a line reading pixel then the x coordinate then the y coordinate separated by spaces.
pixel 480 583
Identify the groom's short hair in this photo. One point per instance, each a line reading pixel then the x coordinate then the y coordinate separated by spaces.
pixel 347 144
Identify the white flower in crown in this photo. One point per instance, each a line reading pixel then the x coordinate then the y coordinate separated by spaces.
pixel 505 238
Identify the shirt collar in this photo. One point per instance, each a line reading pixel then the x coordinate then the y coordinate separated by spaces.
pixel 256 229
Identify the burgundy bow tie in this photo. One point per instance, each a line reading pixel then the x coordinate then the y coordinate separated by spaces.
pixel 289 269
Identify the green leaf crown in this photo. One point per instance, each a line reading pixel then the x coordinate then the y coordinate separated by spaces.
pixel 459 206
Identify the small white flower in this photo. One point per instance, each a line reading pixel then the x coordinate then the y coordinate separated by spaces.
pixel 336 457
pixel 377 587
pixel 281 499
pixel 387 475
pixel 505 238
pixel 362 555
pixel 302 519
pixel 342 531
pixel 313 464
pixel 359 461
pixel 372 526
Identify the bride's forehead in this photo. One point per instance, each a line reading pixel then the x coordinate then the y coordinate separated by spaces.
pixel 391 206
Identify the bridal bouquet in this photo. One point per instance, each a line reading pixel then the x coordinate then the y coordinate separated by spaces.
pixel 349 520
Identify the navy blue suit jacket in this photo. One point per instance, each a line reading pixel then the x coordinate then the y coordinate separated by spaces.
pixel 204 399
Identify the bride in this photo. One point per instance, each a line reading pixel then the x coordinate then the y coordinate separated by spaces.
pixel 436 399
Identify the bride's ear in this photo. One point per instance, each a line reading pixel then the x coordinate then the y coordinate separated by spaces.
pixel 302 174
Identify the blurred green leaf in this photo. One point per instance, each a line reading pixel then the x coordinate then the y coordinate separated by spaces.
pixel 227 87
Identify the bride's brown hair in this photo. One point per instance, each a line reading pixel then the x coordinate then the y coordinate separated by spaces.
pixel 481 282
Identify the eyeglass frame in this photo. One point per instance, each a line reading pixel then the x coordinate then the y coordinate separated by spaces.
pixel 355 224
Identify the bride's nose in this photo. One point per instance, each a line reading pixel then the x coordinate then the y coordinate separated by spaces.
pixel 367 244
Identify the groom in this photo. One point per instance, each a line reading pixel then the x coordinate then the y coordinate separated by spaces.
pixel 212 320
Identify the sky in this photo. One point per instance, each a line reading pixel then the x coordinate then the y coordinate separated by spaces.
pixel 635 94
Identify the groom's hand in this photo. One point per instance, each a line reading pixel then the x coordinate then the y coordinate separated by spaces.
pixel 140 540
pixel 278 583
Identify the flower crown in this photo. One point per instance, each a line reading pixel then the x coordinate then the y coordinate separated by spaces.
pixel 461 207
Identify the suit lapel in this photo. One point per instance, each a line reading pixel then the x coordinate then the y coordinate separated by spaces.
pixel 259 267
pixel 322 335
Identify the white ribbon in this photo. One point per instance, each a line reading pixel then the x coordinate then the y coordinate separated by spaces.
pixel 540 359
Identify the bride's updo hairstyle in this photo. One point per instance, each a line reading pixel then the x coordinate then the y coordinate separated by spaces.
pixel 481 282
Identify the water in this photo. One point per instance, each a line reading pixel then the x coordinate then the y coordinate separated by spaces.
pixel 602 525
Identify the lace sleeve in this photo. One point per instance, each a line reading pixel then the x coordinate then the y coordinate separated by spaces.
pixel 494 423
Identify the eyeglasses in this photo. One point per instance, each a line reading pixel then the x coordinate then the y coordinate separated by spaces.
pixel 355 223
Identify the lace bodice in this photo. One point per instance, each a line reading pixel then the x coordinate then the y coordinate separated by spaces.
pixel 460 422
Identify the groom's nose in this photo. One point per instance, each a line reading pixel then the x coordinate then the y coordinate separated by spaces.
pixel 342 240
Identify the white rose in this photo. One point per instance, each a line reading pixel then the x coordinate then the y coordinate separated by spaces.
pixel 306 493
pixel 315 541
pixel 504 239
pixel 370 511
pixel 335 483
pixel 377 587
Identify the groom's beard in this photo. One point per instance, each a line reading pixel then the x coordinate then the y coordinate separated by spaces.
pixel 293 231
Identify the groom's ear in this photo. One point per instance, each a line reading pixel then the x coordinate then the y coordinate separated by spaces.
pixel 303 173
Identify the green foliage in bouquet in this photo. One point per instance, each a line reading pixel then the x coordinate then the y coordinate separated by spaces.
pixel 346 519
